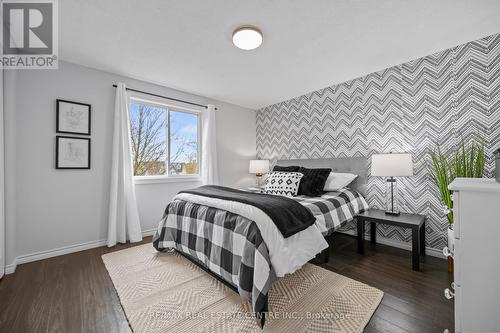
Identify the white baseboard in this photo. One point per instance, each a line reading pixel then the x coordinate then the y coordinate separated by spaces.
pixel 11 268
pixel 401 245
pixel 148 232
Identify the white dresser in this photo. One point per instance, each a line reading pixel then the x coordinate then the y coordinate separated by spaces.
pixel 476 254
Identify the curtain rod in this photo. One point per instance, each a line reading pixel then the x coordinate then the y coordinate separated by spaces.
pixel 161 96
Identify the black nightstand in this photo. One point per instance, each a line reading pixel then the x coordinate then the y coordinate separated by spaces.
pixel 413 221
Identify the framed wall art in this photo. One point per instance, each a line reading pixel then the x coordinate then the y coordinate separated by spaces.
pixel 72 117
pixel 72 152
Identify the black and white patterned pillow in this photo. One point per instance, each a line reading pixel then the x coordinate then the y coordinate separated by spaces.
pixel 283 183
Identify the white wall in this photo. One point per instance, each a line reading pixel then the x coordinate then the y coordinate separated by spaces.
pixel 61 208
pixel 2 202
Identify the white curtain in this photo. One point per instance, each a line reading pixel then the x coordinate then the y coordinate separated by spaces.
pixel 209 168
pixel 123 221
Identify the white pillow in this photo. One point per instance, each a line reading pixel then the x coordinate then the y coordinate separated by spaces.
pixel 337 181
pixel 283 183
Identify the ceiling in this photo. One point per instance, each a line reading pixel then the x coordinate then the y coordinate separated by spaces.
pixel 308 45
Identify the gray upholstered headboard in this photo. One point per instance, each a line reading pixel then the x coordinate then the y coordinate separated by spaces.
pixel 356 165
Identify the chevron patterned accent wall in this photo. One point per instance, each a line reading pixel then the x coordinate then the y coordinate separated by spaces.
pixel 411 107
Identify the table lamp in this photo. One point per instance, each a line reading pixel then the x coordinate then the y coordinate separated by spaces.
pixel 258 167
pixel 390 166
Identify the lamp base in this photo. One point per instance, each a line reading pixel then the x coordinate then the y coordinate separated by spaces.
pixel 391 197
pixel 259 178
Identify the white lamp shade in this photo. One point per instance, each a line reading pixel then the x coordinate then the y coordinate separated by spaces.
pixel 392 165
pixel 258 166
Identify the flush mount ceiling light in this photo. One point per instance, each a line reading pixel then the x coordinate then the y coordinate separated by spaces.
pixel 247 37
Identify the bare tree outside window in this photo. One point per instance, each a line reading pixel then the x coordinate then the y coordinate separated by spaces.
pixel 149 127
pixel 183 143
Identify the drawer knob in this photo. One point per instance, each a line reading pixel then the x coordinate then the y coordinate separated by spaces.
pixel 448 293
pixel 447 253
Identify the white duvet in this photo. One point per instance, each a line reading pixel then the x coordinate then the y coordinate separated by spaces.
pixel 286 254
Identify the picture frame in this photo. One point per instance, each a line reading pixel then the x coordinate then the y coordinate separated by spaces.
pixel 72 152
pixel 73 117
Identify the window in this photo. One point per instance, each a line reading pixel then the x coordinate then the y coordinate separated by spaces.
pixel 165 140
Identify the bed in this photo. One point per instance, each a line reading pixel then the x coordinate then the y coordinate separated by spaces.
pixel 240 245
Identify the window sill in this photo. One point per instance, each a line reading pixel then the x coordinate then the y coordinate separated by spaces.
pixel 143 180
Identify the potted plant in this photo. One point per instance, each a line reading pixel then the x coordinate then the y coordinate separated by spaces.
pixel 465 161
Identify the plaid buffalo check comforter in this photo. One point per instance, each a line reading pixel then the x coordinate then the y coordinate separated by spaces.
pixel 231 246
pixel 334 209
pixel 228 244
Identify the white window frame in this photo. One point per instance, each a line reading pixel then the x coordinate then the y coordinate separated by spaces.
pixel 160 102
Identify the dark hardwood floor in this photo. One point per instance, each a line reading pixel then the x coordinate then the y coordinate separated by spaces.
pixel 73 293
pixel 413 301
